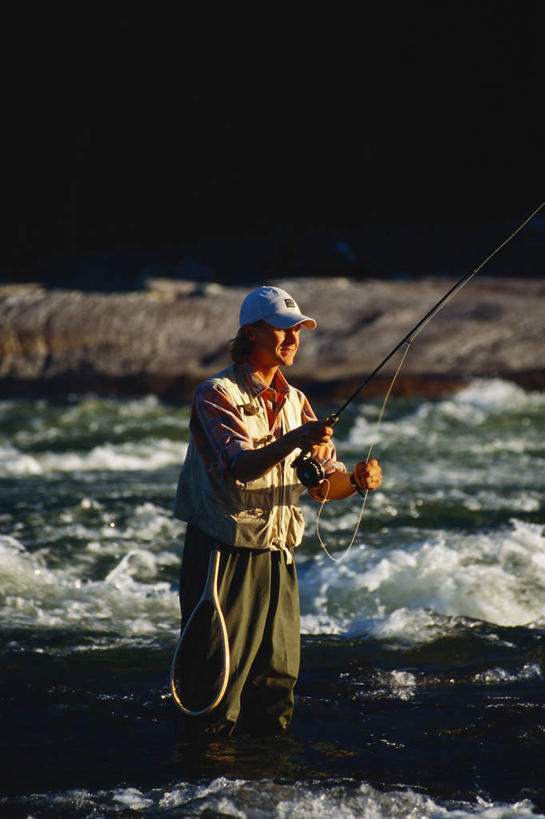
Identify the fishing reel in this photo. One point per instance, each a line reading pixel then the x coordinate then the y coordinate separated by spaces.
pixel 309 470
pixel 311 473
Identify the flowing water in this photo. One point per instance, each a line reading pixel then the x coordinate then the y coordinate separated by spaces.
pixel 421 692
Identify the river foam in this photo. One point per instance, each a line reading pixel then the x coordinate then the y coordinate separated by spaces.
pixel 128 604
pixel 493 577
pixel 267 799
pixel 123 583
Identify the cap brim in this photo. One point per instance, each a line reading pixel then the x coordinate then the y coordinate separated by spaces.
pixel 283 322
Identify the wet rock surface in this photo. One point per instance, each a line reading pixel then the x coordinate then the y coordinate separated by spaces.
pixel 168 337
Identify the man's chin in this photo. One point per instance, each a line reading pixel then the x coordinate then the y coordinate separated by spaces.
pixel 287 359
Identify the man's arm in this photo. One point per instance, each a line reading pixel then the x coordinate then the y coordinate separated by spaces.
pixel 253 463
pixel 222 438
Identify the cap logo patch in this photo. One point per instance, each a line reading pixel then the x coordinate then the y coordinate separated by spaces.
pixel 290 303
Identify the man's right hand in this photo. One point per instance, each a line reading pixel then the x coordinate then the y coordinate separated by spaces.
pixel 311 434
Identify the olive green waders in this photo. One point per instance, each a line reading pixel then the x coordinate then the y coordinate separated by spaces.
pixel 259 597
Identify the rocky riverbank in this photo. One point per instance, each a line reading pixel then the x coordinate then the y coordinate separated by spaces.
pixel 167 337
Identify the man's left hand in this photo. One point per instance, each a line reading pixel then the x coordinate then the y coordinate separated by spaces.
pixel 368 474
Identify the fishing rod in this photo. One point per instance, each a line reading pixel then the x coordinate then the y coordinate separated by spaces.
pixel 309 471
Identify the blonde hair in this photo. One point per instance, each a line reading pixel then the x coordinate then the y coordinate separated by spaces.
pixel 240 346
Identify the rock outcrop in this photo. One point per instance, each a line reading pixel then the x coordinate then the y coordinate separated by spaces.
pixel 168 337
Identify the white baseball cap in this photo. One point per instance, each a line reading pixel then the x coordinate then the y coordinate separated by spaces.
pixel 275 306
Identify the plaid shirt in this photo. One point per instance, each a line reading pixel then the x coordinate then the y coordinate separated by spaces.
pixel 219 430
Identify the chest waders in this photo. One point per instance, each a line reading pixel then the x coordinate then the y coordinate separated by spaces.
pixel 259 599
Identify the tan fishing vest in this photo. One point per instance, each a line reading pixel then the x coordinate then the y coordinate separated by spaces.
pixel 261 514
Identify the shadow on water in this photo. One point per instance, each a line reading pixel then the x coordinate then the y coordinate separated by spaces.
pixel 364 713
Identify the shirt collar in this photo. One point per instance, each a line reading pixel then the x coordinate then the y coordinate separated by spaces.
pixel 257 385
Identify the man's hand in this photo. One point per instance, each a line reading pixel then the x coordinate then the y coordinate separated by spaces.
pixel 368 474
pixel 313 433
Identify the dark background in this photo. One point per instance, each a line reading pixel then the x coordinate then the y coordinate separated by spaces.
pixel 382 139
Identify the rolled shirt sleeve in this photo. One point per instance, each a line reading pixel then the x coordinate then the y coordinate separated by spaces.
pixel 218 428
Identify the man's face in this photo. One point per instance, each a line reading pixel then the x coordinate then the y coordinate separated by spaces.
pixel 274 347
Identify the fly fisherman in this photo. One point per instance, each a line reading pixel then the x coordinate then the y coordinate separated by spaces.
pixel 238 492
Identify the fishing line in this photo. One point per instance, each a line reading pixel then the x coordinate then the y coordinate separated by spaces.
pixel 309 470
pixel 363 492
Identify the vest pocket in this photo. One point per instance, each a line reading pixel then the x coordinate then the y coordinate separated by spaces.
pixel 252 528
pixel 296 527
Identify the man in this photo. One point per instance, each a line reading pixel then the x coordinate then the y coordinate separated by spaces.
pixel 239 492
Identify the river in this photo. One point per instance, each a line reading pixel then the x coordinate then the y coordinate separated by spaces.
pixel 421 692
